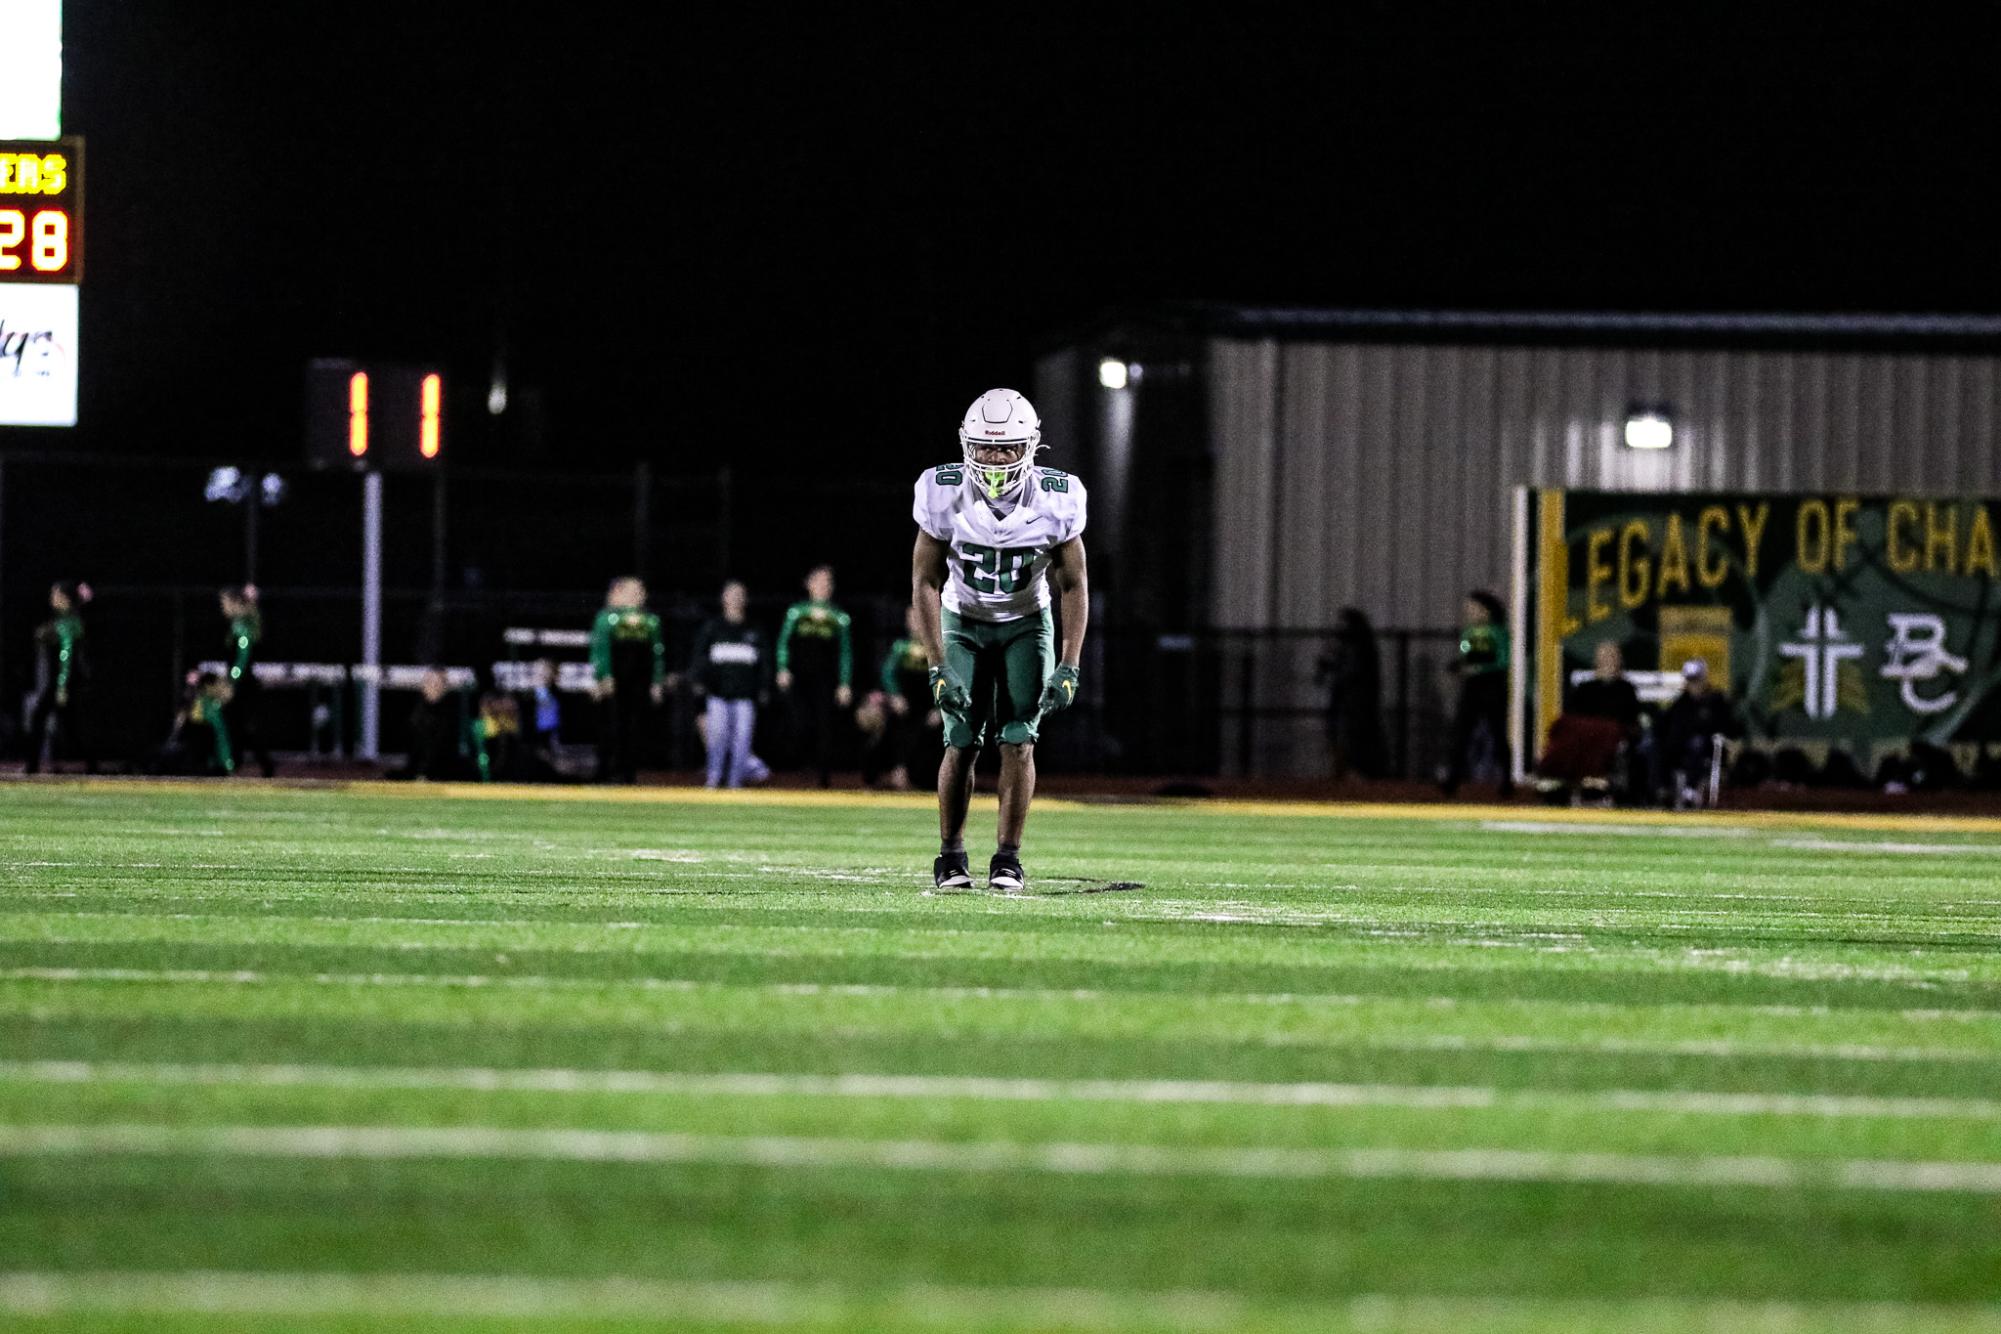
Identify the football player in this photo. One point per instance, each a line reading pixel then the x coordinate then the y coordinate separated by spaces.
pixel 993 533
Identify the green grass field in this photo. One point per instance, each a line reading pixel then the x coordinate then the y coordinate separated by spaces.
pixel 435 1060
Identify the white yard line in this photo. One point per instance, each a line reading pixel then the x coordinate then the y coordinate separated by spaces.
pixel 984 1089
pixel 574 1145
pixel 1889 846
pixel 549 982
pixel 545 982
pixel 777 1302
pixel 1720 1048
pixel 1612 830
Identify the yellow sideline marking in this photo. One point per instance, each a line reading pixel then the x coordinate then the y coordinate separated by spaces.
pixel 1437 812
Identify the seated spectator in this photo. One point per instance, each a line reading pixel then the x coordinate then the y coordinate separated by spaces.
pixel 1688 732
pixel 1600 721
pixel 1608 694
pixel 496 736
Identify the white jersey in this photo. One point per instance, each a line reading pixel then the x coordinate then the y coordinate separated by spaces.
pixel 999 562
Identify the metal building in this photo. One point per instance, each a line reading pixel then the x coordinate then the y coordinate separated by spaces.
pixel 1256 470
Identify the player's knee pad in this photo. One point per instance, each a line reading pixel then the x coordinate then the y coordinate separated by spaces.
pixel 1018 733
pixel 961 734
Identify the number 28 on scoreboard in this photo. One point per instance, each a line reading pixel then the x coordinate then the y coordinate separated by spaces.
pixel 41 211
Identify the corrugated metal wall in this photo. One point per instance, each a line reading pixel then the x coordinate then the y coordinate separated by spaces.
pixel 1378 474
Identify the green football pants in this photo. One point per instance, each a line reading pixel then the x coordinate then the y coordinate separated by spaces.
pixel 1004 665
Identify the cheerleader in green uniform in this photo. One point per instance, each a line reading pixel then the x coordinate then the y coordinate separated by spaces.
pixel 245 710
pixel 63 677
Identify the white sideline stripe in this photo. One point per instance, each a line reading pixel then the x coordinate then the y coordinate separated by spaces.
pixel 526 1296
pixel 984 1089
pixel 568 1144
pixel 774 1302
pixel 549 982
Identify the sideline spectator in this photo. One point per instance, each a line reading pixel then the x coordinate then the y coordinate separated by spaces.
pixel 63 675
pixel 874 723
pixel 1608 694
pixel 496 739
pixel 199 745
pixel 1482 669
pixel 1601 720
pixel 541 711
pixel 1688 732
pixel 629 658
pixel 245 708
pixel 727 668
pixel 1351 669
pixel 915 729
pixel 816 670
pixel 437 733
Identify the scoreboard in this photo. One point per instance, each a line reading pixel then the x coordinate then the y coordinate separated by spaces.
pixel 41 211
pixel 41 268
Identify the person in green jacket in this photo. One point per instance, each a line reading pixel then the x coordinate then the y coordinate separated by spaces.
pixel 63 677
pixel 245 709
pixel 1482 668
pixel 629 660
pixel 816 661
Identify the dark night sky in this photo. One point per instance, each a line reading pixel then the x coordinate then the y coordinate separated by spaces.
pixel 782 236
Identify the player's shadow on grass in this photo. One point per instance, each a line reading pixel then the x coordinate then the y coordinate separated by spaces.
pixel 1078 885
pixel 1070 885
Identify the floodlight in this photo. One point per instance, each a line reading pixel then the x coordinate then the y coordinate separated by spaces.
pixel 1649 428
pixel 1112 373
pixel 273 489
pixel 224 486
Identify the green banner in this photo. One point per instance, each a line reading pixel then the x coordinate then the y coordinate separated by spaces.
pixel 1864 622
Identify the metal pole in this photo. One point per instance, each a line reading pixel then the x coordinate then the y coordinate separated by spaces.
pixel 180 664
pixel 371 616
pixel 725 501
pixel 1246 724
pixel 642 518
pixel 439 512
pixel 252 503
pixel 1403 703
pixel 432 640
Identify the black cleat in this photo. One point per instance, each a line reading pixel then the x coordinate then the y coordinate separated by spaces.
pixel 950 871
pixel 1004 874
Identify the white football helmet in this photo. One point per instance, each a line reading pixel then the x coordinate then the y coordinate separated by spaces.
pixel 1000 417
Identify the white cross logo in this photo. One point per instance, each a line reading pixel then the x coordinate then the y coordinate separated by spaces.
pixel 1823 648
